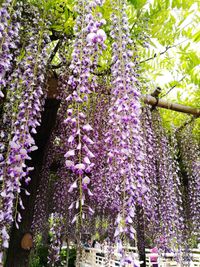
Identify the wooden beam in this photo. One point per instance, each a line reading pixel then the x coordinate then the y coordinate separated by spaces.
pixel 148 99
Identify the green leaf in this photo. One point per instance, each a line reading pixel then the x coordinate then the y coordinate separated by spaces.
pixel 138 4
pixel 57 27
pixel 196 36
pixel 68 26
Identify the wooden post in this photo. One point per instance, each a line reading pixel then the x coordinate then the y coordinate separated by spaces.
pixel 148 99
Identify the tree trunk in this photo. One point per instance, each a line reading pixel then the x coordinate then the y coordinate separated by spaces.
pixel 16 256
pixel 141 235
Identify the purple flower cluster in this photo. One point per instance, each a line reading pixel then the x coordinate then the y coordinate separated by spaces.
pixel 42 202
pixel 56 230
pixel 150 207
pixel 99 116
pixel 168 197
pixel 190 156
pixel 22 114
pixel 114 157
pixel 124 141
pixel 74 133
pixel 79 155
pixel 9 39
pixel 58 208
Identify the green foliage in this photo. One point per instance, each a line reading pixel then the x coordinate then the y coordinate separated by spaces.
pixel 39 257
pixel 138 4
pixel 40 254
pixel 71 257
pixel 171 30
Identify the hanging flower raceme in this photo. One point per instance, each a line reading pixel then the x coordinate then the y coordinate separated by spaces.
pixel 124 141
pixel 190 157
pixel 42 206
pixel 27 89
pixel 164 221
pixel 151 208
pixel 62 227
pixel 56 244
pixel 89 40
pixel 99 117
pixel 56 147
pixel 55 181
pixel 169 203
pixel 9 39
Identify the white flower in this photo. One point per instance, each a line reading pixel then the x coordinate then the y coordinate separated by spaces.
pixel 74 219
pixel 71 206
pixel 73 186
pixel 69 153
pixel 86 160
pixel 80 166
pixel 14 145
pixel 71 139
pixel 69 163
pixel 27 193
pixel 101 34
pixel 91 37
pixel 90 210
pixel 86 180
pixel 89 193
pixel 103 21
pixel 33 148
pixel 5 243
pixel 23 152
pixel 79 146
pixel 87 128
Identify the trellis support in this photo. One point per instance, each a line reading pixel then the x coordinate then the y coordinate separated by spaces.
pixel 161 103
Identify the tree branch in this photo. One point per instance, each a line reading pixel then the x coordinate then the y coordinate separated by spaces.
pixel 108 71
pixel 173 86
pixel 54 67
pixel 55 50
pixel 163 52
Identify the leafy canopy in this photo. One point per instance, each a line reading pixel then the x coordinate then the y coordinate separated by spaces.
pixel 167 36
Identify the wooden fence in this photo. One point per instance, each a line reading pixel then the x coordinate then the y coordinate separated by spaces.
pixel 101 258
